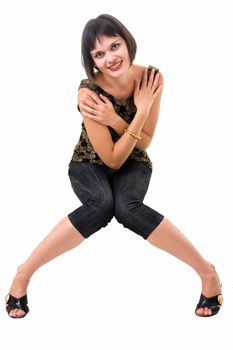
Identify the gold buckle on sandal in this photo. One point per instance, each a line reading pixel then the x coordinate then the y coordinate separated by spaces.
pixel 7 297
pixel 220 299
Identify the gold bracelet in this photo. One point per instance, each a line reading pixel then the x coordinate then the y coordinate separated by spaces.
pixel 137 137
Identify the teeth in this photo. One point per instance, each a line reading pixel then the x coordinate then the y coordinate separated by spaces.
pixel 115 66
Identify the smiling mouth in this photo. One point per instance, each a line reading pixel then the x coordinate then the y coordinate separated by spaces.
pixel 115 67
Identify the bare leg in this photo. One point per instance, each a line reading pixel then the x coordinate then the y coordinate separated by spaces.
pixel 62 238
pixel 168 238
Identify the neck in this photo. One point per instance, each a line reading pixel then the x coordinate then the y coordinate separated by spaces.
pixel 120 82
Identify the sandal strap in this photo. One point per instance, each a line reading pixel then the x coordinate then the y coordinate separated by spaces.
pixel 17 303
pixel 214 303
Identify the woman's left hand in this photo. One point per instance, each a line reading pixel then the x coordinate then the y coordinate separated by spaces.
pixel 98 108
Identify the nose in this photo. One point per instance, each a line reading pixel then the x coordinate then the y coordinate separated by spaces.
pixel 110 57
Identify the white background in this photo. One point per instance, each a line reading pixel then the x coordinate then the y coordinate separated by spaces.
pixel 116 291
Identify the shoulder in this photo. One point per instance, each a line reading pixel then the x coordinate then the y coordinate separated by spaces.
pixel 139 70
pixel 86 83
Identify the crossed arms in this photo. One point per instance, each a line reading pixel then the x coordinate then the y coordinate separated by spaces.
pixel 98 113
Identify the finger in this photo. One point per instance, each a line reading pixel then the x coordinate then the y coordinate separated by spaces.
pixel 93 96
pixel 96 98
pixel 86 99
pixel 90 116
pixel 88 103
pixel 136 86
pixel 158 90
pixel 153 80
pixel 144 79
pixel 106 103
pixel 156 78
pixel 150 77
pixel 104 99
pixel 87 109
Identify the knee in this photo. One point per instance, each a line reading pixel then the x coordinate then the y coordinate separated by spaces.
pixel 101 214
pixel 136 216
pixel 123 210
pixel 103 209
pixel 100 207
pixel 93 215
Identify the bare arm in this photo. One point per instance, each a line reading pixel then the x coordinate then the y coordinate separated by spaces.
pixel 147 133
pixel 112 154
pixel 106 115
pixel 115 154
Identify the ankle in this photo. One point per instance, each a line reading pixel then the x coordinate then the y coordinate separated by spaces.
pixel 208 270
pixel 20 283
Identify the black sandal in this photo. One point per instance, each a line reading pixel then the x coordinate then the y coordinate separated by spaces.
pixel 17 303
pixel 213 303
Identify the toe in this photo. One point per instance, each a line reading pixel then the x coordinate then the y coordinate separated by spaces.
pixel 204 312
pixel 13 312
pixel 20 313
pixel 207 312
pixel 200 312
pixel 17 313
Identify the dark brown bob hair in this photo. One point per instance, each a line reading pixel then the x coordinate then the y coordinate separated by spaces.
pixel 103 25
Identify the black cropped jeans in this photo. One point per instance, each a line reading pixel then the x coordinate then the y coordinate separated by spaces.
pixel 105 193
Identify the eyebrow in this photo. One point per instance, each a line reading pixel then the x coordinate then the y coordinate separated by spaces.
pixel 114 42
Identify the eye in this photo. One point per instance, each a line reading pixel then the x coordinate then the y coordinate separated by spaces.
pixel 115 46
pixel 98 55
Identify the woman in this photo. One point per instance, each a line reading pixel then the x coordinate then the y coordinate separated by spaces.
pixel 110 169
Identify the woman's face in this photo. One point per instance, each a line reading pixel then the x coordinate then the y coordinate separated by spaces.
pixel 111 56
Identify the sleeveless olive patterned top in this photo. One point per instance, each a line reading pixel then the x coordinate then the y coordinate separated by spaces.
pixel 126 109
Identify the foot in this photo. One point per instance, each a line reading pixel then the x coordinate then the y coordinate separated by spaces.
pixel 211 287
pixel 18 290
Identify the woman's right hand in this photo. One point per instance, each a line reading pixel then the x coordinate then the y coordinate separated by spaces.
pixel 146 91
